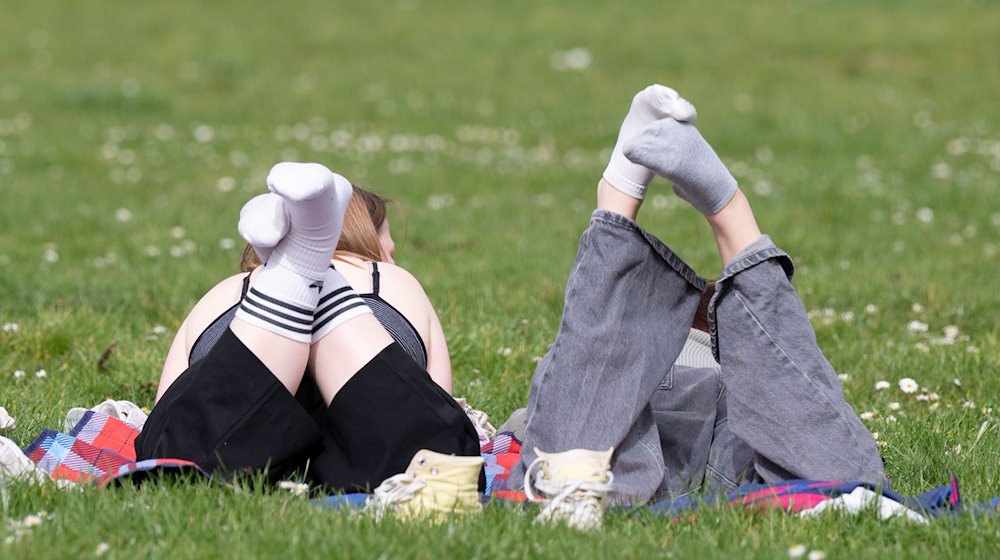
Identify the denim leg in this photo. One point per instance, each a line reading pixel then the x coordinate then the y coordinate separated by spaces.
pixel 783 397
pixel 628 307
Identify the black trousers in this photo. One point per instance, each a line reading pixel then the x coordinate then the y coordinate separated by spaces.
pixel 230 415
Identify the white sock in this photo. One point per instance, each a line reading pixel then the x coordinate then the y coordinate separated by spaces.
pixel 315 199
pixel 651 104
pixel 338 302
pixel 677 152
pixel 284 296
pixel 263 223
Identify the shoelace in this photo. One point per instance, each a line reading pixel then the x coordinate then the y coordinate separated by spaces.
pixel 480 419
pixel 394 490
pixel 578 498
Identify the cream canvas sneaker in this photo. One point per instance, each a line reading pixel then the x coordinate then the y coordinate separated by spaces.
pixel 571 486
pixel 433 485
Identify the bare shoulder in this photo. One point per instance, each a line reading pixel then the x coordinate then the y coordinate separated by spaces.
pixel 397 278
pixel 215 302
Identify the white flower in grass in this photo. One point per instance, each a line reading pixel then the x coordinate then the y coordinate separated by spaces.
pixel 890 418
pixel 296 488
pixel 10 327
pixel 41 373
pixel 956 382
pixel 844 377
pixel 101 548
pixel 31 521
pixel 934 406
pixel 934 397
pixel 922 398
pixel 969 404
pixel 867 415
pixel 916 327
pixel 19 373
pixel 917 307
pixel 922 347
pixel 882 385
pixel 816 555
pixel 951 331
pixel 123 215
pixel 972 349
pixel 796 550
pixel 908 385
pixel 894 406
pixel 871 309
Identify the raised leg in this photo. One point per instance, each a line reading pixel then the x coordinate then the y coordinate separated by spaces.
pixel 783 397
pixel 628 308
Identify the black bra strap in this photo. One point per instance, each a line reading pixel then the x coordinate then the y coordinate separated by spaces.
pixel 246 286
pixel 375 278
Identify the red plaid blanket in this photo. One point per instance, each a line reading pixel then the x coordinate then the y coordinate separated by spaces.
pixel 99 449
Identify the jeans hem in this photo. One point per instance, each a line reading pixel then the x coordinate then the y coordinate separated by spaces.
pixel 668 255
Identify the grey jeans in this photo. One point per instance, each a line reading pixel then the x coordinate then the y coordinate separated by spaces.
pixel 629 304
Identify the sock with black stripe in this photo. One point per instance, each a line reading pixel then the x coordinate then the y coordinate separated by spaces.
pixel 284 296
pixel 338 302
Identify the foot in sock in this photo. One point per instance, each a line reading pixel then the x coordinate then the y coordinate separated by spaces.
pixel 677 152
pixel 263 223
pixel 285 294
pixel 649 105
pixel 315 199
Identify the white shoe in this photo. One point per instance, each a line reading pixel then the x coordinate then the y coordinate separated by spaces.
pixel 571 486
pixel 434 484
pixel 14 464
pixel 479 419
pixel 126 411
pixel 7 421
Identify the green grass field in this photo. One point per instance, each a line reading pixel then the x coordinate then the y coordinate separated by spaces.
pixel 867 135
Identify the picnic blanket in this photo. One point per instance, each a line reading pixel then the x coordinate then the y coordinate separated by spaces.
pixel 100 450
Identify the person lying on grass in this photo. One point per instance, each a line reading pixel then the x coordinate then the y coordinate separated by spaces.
pixel 235 410
pixel 364 256
pixel 630 404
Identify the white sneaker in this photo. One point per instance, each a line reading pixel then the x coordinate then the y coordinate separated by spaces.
pixel 7 421
pixel 571 486
pixel 126 411
pixel 479 419
pixel 434 484
pixel 14 464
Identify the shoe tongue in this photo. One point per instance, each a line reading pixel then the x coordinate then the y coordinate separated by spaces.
pixel 579 464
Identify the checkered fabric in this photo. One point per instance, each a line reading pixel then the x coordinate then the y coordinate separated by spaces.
pixel 99 449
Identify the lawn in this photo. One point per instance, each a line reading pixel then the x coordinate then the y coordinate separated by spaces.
pixel 866 134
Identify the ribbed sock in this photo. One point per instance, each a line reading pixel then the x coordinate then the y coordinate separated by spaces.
pixel 338 302
pixel 263 223
pixel 286 292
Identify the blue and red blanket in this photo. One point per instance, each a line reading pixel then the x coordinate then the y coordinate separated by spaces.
pixel 100 450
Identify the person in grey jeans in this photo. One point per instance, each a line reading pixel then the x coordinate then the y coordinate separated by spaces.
pixel 753 399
